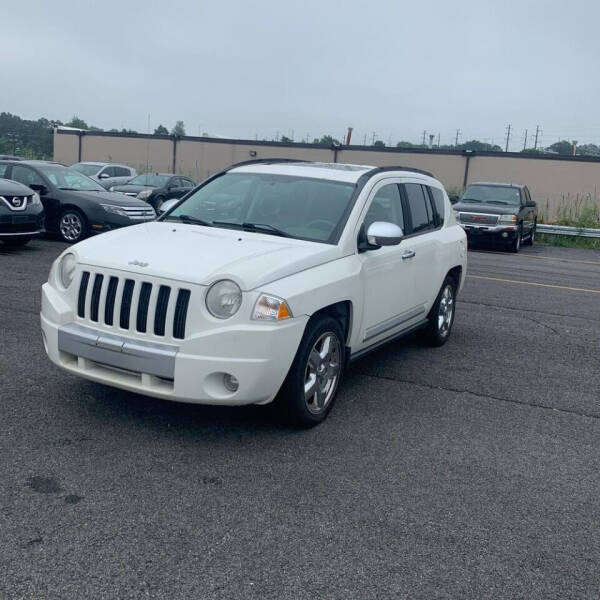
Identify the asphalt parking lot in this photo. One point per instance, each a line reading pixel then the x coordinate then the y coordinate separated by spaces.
pixel 469 471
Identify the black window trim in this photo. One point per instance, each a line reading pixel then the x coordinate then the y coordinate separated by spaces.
pixel 407 211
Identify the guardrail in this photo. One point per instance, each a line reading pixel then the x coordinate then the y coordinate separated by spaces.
pixel 564 230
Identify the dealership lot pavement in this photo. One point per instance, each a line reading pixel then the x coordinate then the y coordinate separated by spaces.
pixel 469 471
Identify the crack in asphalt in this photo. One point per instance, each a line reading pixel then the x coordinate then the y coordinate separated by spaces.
pixel 486 396
pixel 540 312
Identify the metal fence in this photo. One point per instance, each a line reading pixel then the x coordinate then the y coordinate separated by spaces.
pixel 564 230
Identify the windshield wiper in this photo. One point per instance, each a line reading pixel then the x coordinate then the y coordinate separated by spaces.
pixel 498 202
pixel 470 200
pixel 256 227
pixel 188 220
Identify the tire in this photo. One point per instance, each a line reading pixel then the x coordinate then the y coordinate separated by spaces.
pixel 531 239
pixel 72 226
pixel 158 203
pixel 441 315
pixel 17 242
pixel 515 245
pixel 320 359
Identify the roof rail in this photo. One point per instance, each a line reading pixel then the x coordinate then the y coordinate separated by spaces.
pixel 399 168
pixel 266 161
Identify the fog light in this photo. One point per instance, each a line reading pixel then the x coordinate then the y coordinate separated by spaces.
pixel 231 382
pixel 504 234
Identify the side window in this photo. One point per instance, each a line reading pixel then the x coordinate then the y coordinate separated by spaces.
pixel 187 183
pixel 386 206
pixel 121 172
pixel 111 171
pixel 439 202
pixel 26 175
pixel 420 209
pixel 3 169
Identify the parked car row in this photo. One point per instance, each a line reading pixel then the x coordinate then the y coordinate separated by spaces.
pixel 74 202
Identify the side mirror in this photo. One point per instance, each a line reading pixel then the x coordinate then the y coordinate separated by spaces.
pixel 103 176
pixel 42 190
pixel 382 233
pixel 167 205
pixel 454 199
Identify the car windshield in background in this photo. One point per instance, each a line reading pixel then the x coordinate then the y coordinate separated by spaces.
pixel 149 179
pixel 69 179
pixel 303 208
pixel 88 170
pixel 492 194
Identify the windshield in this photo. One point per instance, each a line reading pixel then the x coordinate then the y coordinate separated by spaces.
pixel 70 179
pixel 149 179
pixel 492 194
pixel 303 208
pixel 88 170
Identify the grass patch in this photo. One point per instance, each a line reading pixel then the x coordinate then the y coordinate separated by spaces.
pixel 568 241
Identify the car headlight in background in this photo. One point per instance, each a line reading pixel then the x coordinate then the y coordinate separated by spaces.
pixel 35 199
pixel 510 219
pixel 144 194
pixel 271 308
pixel 224 299
pixel 66 269
pixel 115 210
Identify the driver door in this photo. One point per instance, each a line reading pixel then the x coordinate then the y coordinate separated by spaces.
pixel 390 303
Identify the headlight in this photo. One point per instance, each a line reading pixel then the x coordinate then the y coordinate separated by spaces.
pixel 35 199
pixel 271 308
pixel 512 219
pixel 144 194
pixel 224 299
pixel 115 210
pixel 111 188
pixel 66 269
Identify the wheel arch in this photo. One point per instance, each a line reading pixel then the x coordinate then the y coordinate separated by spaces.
pixel 343 312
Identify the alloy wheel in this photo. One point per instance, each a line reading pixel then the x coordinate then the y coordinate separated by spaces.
pixel 322 373
pixel 446 310
pixel 71 227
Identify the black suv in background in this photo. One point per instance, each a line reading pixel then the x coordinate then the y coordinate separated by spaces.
pixel 21 213
pixel 75 205
pixel 500 213
pixel 155 188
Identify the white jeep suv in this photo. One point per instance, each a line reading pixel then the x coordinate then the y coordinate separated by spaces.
pixel 260 285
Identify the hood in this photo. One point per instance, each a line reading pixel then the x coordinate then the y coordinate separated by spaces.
pixel 131 188
pixel 489 209
pixel 203 255
pixel 13 188
pixel 108 198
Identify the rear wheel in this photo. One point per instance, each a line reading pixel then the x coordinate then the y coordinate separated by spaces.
pixel 311 386
pixel 515 245
pixel 441 316
pixel 531 239
pixel 158 202
pixel 72 226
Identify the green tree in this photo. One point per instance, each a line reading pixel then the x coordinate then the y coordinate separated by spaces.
pixel 477 146
pixel 179 129
pixel 379 144
pixel 161 130
pixel 286 140
pixel 404 144
pixel 327 140
pixel 77 123
pixel 562 147
pixel 588 150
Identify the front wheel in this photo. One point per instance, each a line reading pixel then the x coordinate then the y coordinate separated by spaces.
pixel 531 239
pixel 311 386
pixel 441 316
pixel 72 226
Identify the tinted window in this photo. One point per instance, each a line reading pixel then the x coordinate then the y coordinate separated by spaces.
pixel 386 206
pixel 187 183
pixel 150 179
pixel 110 171
pixel 492 194
pixel 3 169
pixel 420 212
pixel 88 170
pixel 121 172
pixel 26 175
pixel 439 201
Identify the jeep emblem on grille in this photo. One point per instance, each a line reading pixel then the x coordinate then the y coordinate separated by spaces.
pixel 138 263
pixel 16 202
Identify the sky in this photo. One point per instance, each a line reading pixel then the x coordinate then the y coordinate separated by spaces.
pixel 390 69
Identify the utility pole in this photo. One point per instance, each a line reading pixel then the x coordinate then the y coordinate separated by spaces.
pixel 365 140
pixel 507 137
pixel 438 145
pixel 373 141
pixel 456 139
pixel 525 143
pixel 424 134
pixel 537 130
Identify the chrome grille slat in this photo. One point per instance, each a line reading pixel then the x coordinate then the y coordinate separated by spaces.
pixel 469 218
pixel 130 303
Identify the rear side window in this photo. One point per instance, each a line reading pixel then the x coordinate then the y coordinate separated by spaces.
pixel 26 176
pixel 121 172
pixel 420 209
pixel 3 169
pixel 439 202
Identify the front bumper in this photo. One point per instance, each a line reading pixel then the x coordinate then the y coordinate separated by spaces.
pixel 257 355
pixel 499 234
pixel 22 225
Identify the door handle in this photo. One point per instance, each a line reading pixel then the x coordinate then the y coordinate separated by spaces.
pixel 408 254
